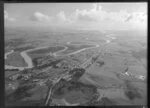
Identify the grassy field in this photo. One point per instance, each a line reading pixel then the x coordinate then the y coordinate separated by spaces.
pixel 44 51
pixel 15 59
pixel 20 49
pixel 27 95
pixel 117 56
pixel 47 50
pixel 75 92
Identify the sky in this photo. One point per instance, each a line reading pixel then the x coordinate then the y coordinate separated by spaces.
pixel 99 16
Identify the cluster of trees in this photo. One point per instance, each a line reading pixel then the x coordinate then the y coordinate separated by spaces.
pixel 101 63
pixel 21 92
pixel 35 61
pixel 42 60
pixel 42 63
pixel 103 102
pixel 59 85
pixel 75 70
pixel 131 91
pixel 77 73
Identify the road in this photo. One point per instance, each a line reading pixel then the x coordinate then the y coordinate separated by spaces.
pixel 50 90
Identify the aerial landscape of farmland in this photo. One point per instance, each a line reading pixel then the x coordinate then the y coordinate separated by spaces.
pixel 66 66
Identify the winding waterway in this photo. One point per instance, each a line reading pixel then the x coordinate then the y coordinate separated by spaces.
pixel 75 52
pixel 28 59
pixel 25 56
pixel 6 55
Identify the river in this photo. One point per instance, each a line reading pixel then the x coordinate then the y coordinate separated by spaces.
pixel 29 62
pixel 26 57
pixel 6 55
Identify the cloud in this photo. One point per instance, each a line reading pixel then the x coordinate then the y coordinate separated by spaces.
pixel 7 17
pixel 120 16
pixel 84 15
pixel 94 14
pixel 38 16
pixel 99 18
pixel 142 17
pixel 137 17
pixel 97 13
pixel 61 16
